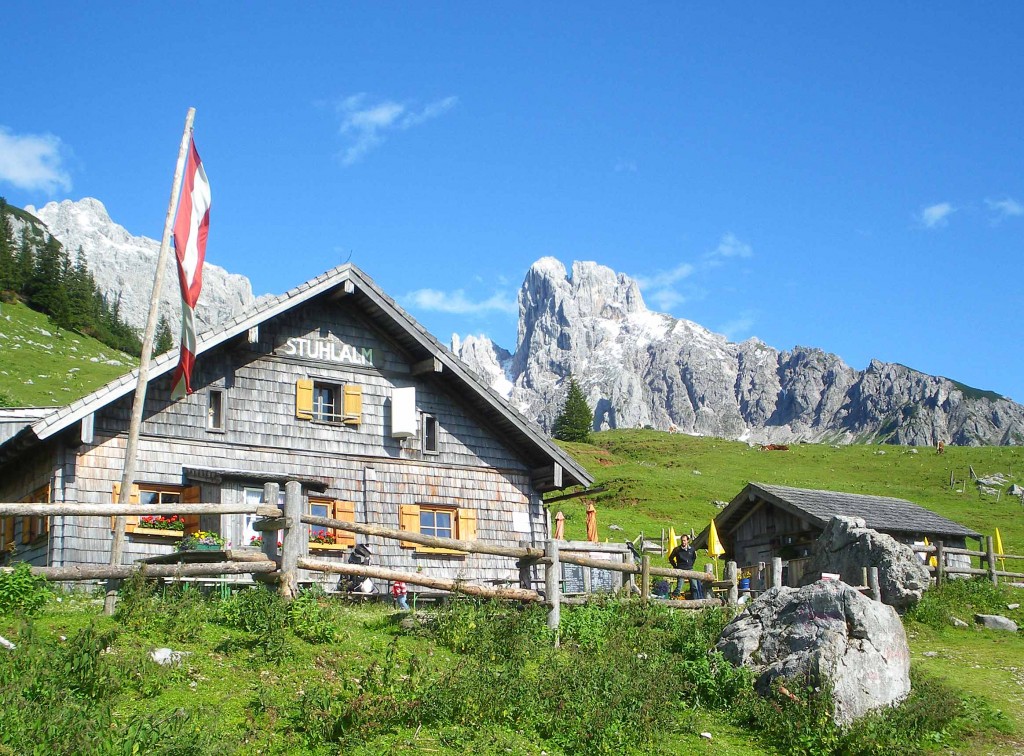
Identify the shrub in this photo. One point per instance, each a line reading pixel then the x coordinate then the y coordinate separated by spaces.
pixel 311 618
pixel 21 592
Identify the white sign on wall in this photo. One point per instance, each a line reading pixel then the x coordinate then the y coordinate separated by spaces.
pixel 326 350
pixel 521 522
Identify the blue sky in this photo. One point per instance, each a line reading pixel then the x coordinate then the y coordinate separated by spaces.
pixel 850 178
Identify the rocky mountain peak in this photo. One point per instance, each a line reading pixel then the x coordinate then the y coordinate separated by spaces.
pixel 641 368
pixel 124 266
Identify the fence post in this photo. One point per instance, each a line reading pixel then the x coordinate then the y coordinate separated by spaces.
pixel 525 565
pixel 628 581
pixel 552 578
pixel 730 575
pixel 940 563
pixel 991 560
pixel 271 493
pixel 292 540
pixel 645 578
pixel 776 572
pixel 876 589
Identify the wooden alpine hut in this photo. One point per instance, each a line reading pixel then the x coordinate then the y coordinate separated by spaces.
pixel 332 385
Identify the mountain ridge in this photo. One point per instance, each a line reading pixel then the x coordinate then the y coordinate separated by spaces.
pixel 640 368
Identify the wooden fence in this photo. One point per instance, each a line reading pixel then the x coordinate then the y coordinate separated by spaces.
pixel 941 569
pixel 280 566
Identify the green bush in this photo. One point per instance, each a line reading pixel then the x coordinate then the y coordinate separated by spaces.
pixel 263 616
pixel 21 592
pixel 311 618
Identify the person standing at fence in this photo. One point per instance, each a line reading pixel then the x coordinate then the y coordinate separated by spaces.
pixel 683 557
pixel 398 593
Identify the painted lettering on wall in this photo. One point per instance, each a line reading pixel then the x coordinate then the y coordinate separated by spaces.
pixel 327 351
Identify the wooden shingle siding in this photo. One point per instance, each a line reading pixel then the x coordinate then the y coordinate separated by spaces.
pixel 475 469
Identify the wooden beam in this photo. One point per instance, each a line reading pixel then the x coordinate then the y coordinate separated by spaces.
pixel 577 494
pixel 476 547
pixel 17 509
pixel 429 365
pixel 107 571
pixel 417 578
pixel 88 428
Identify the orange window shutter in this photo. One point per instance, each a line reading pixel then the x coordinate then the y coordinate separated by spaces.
pixel 409 519
pixel 345 511
pixel 191 495
pixel 133 498
pixel 467 524
pixel 304 399
pixel 353 407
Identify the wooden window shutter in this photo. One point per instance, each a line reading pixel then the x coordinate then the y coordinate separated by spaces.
pixel 353 406
pixel 191 495
pixel 6 533
pixel 409 519
pixel 133 498
pixel 467 524
pixel 304 398
pixel 345 511
pixel 35 526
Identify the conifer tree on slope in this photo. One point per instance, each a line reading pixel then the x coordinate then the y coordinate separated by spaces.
pixel 576 419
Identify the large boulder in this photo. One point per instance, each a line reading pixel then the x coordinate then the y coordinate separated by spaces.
pixel 826 632
pixel 847 546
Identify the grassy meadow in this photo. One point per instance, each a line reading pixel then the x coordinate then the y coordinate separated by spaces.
pixel 656 480
pixel 42 365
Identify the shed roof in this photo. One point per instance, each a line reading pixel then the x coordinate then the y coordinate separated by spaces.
pixel 882 513
pixel 532 444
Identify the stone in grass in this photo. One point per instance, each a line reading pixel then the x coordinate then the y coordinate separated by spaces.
pixel 826 632
pixel 166 657
pixel 957 622
pixel 996 622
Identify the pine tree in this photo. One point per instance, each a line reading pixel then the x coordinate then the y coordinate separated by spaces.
pixel 164 338
pixel 7 257
pixel 576 420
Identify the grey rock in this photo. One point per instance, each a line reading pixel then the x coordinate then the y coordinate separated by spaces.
pixel 641 368
pixel 957 622
pixel 1011 607
pixel 165 657
pixel 824 632
pixel 846 547
pixel 996 622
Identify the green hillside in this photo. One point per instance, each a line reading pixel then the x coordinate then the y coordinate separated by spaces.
pixel 42 365
pixel 657 479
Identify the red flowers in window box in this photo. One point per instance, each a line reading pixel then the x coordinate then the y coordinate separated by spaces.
pixel 162 522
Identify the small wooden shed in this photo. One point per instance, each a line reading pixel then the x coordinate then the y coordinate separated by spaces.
pixel 765 521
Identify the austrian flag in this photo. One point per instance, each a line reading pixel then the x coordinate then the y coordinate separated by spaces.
pixel 191 227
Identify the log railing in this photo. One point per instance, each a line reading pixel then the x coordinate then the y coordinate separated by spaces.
pixel 282 569
pixel 989 558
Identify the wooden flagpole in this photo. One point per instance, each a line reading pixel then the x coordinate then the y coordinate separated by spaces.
pixel 131 446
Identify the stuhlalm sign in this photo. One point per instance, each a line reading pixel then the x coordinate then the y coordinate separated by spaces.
pixel 326 350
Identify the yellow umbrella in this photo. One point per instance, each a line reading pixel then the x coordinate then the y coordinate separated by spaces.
pixel 672 540
pixel 715 547
pixel 999 549
pixel 932 561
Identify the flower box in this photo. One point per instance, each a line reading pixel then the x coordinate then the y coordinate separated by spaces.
pixel 161 532
pixel 313 546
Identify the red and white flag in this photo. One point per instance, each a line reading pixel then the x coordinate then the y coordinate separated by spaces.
pixel 191 227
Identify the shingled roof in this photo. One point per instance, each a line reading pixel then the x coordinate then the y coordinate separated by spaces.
pixel 882 513
pixel 343 281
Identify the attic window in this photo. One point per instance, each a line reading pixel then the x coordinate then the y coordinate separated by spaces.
pixel 429 434
pixel 215 410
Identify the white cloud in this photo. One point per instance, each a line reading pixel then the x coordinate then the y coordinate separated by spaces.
pixel 32 162
pixel 661 289
pixel 730 246
pixel 739 327
pixel 665 278
pixel 936 216
pixel 366 124
pixel 1005 208
pixel 457 303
